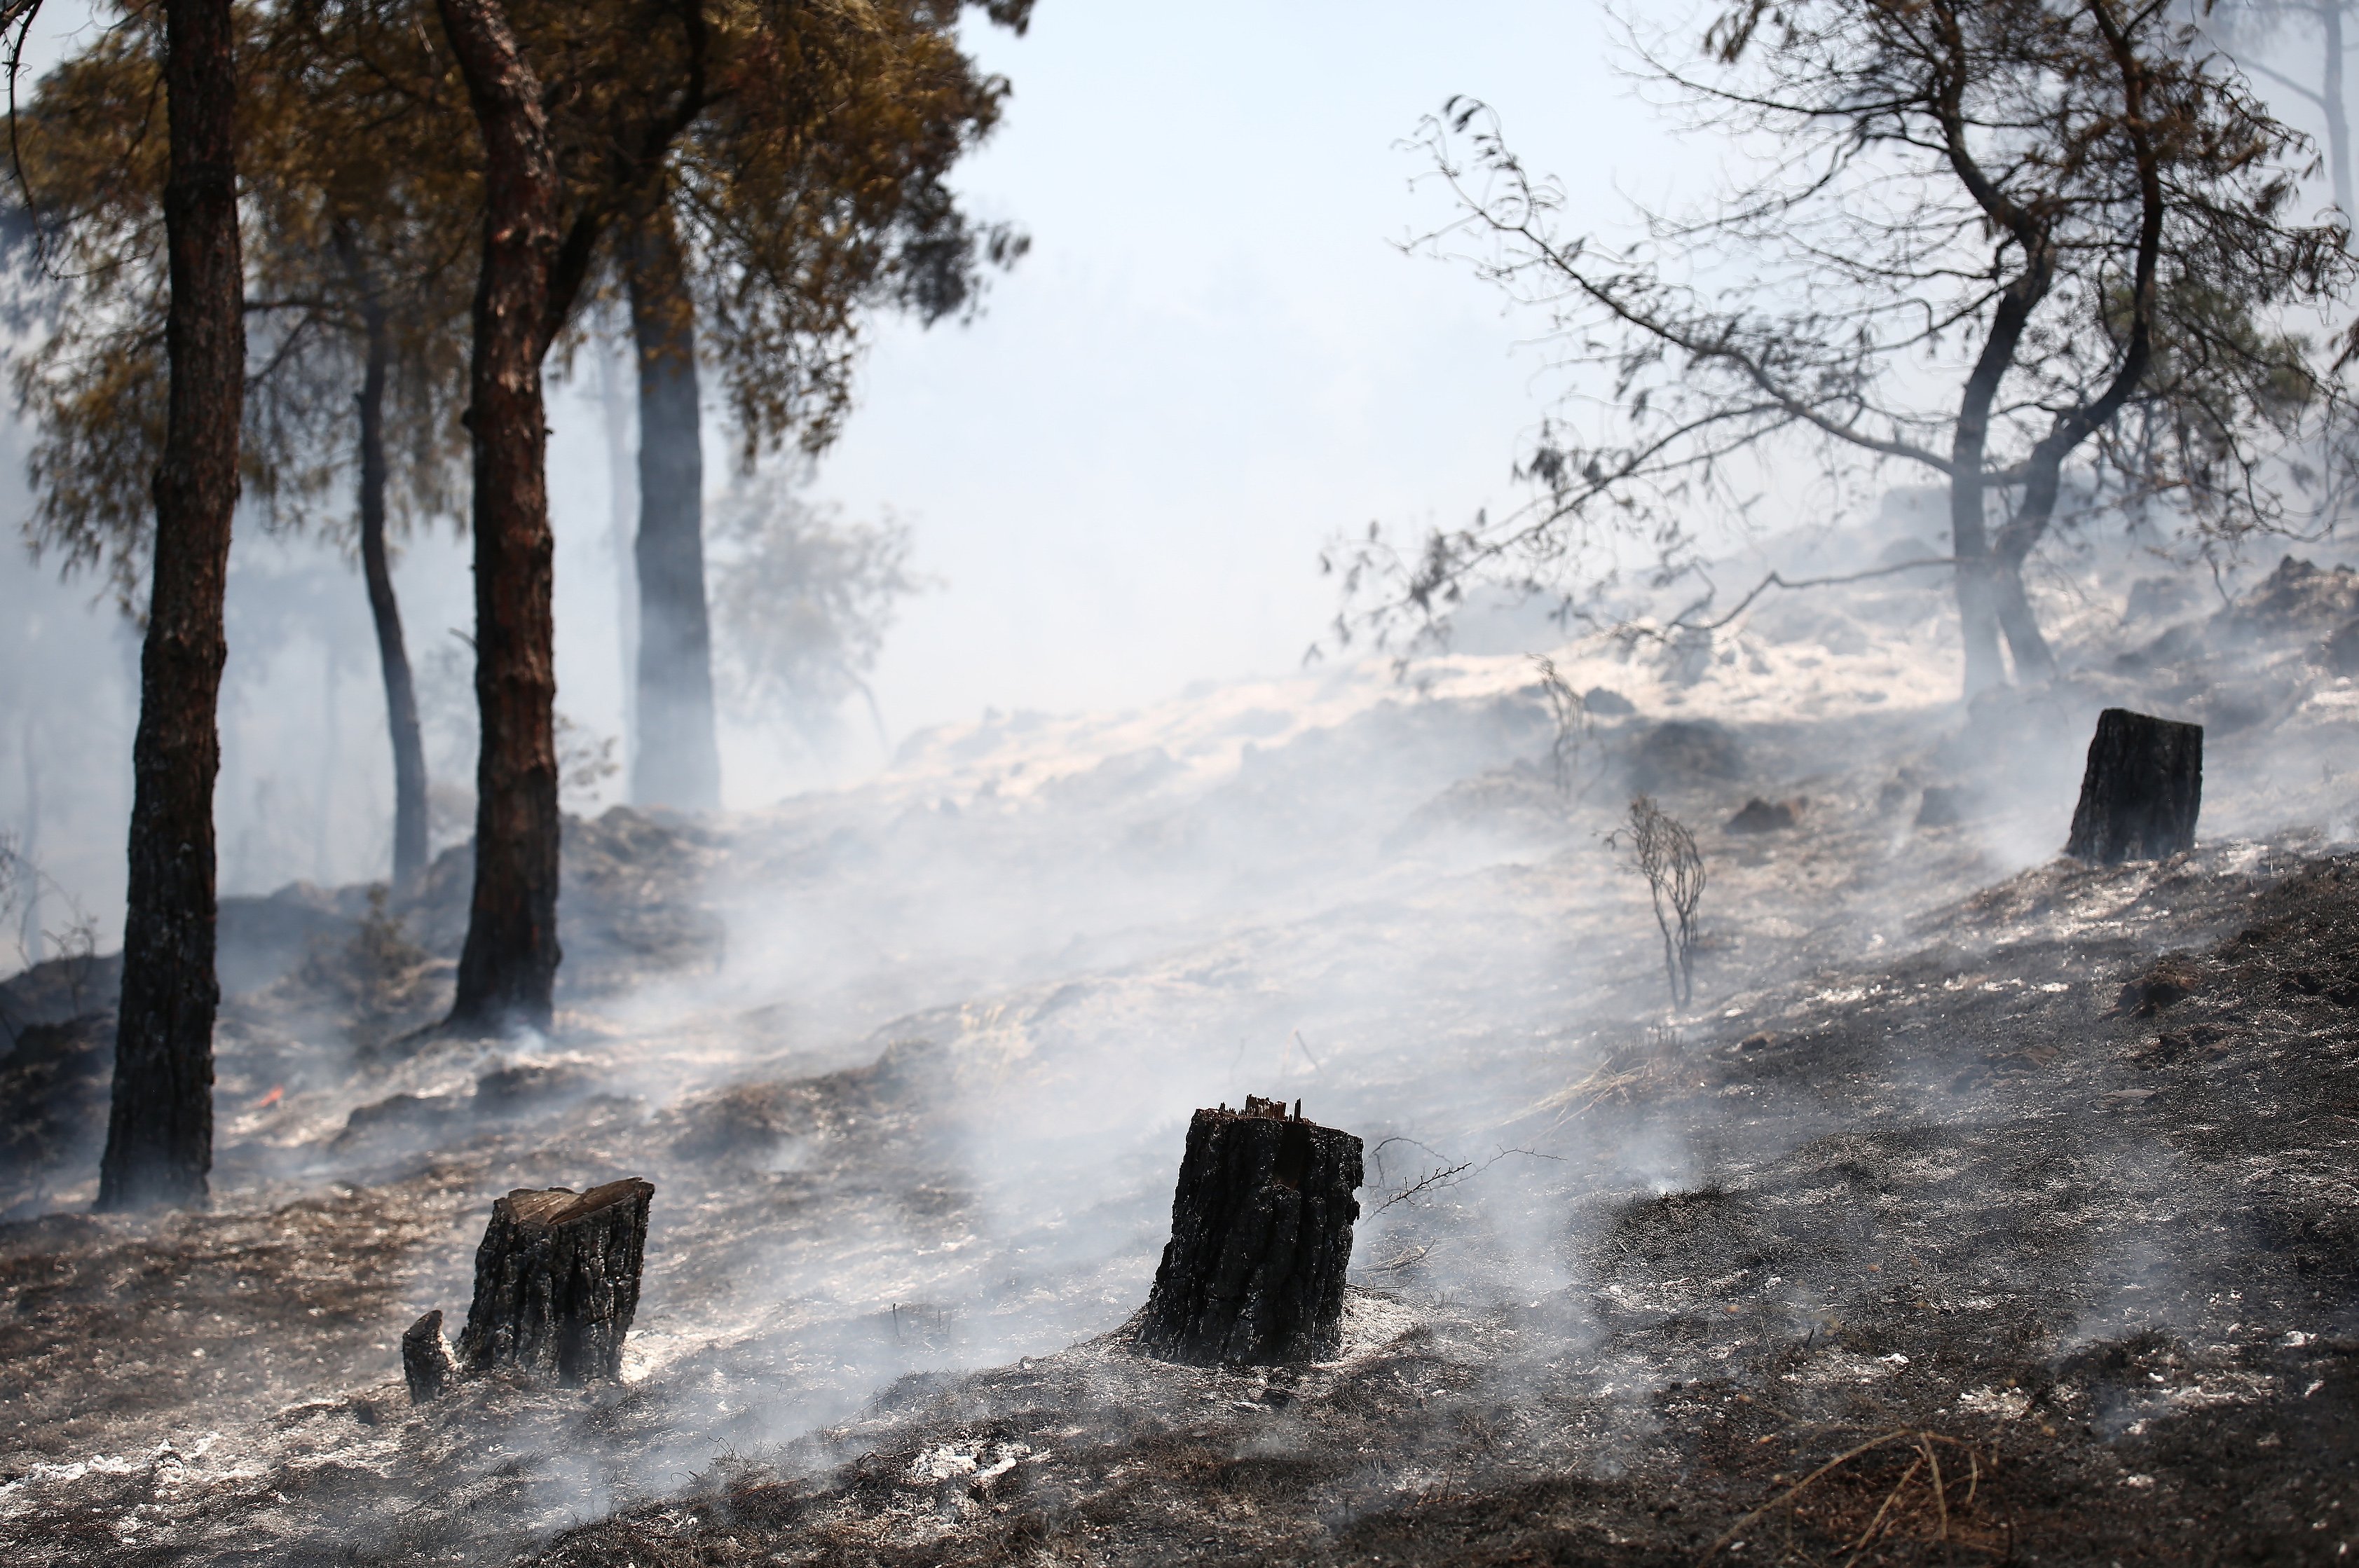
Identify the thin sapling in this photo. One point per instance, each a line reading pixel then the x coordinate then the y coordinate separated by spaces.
pixel 1663 851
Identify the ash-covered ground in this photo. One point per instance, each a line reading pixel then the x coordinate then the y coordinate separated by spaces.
pixel 1982 1207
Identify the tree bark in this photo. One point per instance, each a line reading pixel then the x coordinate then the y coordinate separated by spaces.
pixel 678 760
pixel 507 969
pixel 557 1282
pixel 1978 578
pixel 2142 791
pixel 2035 662
pixel 1261 1238
pixel 409 845
pixel 159 1131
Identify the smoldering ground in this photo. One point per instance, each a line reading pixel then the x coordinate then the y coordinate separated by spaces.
pixel 909 1065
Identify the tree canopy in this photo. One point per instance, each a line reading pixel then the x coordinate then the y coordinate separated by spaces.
pixel 2032 248
pixel 346 197
pixel 810 182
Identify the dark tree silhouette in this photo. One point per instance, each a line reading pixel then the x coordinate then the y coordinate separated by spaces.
pixel 409 840
pixel 159 1133
pixel 549 199
pixel 798 202
pixel 507 969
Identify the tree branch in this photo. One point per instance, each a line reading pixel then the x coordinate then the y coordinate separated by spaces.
pixel 1779 580
pixel 635 163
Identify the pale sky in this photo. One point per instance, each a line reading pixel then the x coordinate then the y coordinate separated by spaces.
pixel 1214 358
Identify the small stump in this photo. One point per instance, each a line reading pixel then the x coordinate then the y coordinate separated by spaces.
pixel 427 1364
pixel 2142 791
pixel 557 1283
pixel 1261 1235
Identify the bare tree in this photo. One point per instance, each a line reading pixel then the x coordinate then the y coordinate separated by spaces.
pixel 1663 851
pixel 2035 247
pixel 1569 711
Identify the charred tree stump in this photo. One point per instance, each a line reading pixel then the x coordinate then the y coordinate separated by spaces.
pixel 2142 791
pixel 1261 1235
pixel 557 1282
pixel 427 1364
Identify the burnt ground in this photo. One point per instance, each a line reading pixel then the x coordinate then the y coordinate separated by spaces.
pixel 1914 1240
pixel 2102 1310
pixel 2055 1260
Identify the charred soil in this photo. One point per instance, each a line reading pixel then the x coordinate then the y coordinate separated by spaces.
pixel 2061 1269
pixel 1968 1216
pixel 2099 1309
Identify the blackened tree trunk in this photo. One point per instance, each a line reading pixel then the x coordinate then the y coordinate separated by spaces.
pixel 2043 467
pixel 159 1133
pixel 507 969
pixel 410 846
pixel 2142 791
pixel 1977 587
pixel 557 1282
pixel 677 762
pixel 1261 1238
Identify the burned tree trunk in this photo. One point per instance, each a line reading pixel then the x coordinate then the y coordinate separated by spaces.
pixel 556 1283
pixel 159 1137
pixel 2142 791
pixel 507 969
pixel 1261 1235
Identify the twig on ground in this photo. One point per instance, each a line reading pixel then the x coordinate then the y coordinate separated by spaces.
pixel 1921 1441
pixel 1443 1176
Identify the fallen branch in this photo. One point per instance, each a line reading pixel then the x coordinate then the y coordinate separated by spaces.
pixel 1443 1176
pixel 1922 1441
pixel 1446 1176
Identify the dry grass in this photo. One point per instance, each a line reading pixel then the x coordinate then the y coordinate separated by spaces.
pixel 1627 1073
